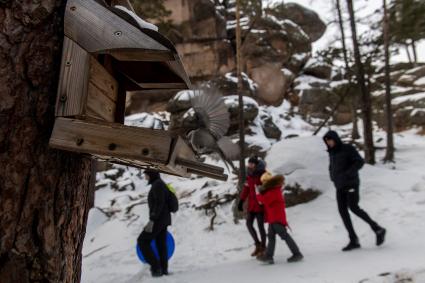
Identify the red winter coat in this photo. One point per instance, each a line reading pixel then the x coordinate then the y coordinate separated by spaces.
pixel 249 193
pixel 272 198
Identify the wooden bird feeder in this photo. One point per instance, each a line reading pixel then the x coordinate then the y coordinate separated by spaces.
pixel 106 54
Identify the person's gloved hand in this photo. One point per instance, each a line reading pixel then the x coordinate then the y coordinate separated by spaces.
pixel 149 227
pixel 240 205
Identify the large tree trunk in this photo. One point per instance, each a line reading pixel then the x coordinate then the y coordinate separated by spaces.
pixel 355 130
pixel 415 53
pixel 366 97
pixel 409 57
pixel 389 155
pixel 45 195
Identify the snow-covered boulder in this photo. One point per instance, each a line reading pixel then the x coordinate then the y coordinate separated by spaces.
pixel 306 18
pixel 145 120
pixel 302 160
pixel 318 69
pixel 180 102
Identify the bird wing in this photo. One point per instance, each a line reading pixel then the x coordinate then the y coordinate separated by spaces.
pixel 210 108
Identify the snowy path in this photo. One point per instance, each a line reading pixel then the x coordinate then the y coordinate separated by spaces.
pixel 395 198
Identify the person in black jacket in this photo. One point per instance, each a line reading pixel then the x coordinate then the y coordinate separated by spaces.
pixel 156 228
pixel 344 166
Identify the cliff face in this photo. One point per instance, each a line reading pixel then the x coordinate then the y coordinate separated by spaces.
pixel 276 45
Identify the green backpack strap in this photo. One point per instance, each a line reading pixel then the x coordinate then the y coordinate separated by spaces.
pixel 171 188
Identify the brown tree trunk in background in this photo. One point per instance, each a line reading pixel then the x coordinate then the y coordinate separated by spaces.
pixel 389 155
pixel 415 54
pixel 355 130
pixel 241 102
pixel 409 57
pixel 366 97
pixel 45 195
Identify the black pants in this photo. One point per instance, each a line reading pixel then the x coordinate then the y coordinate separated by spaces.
pixel 348 199
pixel 279 229
pixel 260 222
pixel 144 241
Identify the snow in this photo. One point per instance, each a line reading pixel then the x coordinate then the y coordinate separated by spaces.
pixel 392 194
pixel 184 95
pixel 420 82
pixel 233 100
pixel 408 98
pixel 305 82
pixel 142 23
pixel 144 120
pixel 233 78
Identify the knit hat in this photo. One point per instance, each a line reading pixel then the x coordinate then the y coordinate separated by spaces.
pixel 254 160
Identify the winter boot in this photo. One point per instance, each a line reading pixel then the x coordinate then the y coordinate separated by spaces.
pixel 295 258
pixel 261 251
pixel 351 246
pixel 265 259
pixel 256 251
pixel 380 236
pixel 156 272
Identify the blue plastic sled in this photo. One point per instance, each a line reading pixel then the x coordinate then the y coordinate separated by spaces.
pixel 170 248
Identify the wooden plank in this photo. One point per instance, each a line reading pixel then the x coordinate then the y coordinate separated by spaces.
pixel 179 86
pixel 104 81
pixel 98 29
pixel 99 105
pixel 73 80
pixel 141 55
pixel 102 92
pixel 113 140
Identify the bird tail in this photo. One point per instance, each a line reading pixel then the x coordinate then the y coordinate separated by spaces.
pixel 210 108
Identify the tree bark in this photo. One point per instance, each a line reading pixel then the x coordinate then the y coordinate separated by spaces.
pixel 415 54
pixel 389 155
pixel 45 195
pixel 366 97
pixel 241 102
pixel 409 57
pixel 355 130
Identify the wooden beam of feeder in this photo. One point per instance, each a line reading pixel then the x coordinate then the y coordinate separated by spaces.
pixel 199 166
pixel 97 29
pixel 220 177
pixel 114 140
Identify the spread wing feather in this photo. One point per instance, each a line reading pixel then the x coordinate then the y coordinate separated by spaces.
pixel 210 108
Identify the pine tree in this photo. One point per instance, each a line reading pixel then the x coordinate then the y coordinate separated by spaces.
pixel 366 102
pixel 45 194
pixel 389 155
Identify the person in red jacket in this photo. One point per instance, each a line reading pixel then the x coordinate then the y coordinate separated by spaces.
pixel 256 168
pixel 270 195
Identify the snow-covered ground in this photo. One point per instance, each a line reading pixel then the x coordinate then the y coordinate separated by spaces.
pixel 392 194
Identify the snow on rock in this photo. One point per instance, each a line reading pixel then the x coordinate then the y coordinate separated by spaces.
pixel 306 82
pixel 408 98
pixel 420 82
pixel 142 23
pixel 302 160
pixel 144 120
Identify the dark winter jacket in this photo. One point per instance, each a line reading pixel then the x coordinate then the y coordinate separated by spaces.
pixel 271 197
pixel 248 192
pixel 159 212
pixel 345 163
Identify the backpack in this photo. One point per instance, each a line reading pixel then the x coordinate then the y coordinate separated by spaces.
pixel 173 202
